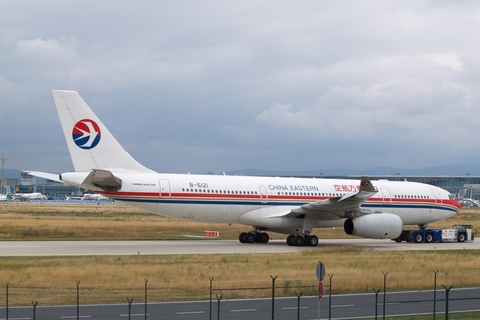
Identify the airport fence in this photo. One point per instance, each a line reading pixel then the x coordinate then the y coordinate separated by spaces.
pixel 274 298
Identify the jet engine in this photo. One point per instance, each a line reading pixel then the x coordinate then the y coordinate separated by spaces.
pixel 375 226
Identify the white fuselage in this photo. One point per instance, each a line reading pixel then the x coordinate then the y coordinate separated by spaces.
pixel 228 199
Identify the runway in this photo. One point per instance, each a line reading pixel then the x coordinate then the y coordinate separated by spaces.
pixel 94 248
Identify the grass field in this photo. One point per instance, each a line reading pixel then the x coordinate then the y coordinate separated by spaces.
pixel 105 279
pixel 32 221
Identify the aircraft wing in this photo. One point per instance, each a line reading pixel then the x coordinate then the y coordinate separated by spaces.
pixel 342 207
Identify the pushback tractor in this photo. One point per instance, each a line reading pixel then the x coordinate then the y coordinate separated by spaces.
pixel 459 233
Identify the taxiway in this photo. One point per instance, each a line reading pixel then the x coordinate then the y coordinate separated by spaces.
pixel 91 248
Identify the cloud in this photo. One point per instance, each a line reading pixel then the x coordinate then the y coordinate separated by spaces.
pixel 281 115
pixel 449 60
pixel 342 83
pixel 52 49
pixel 399 102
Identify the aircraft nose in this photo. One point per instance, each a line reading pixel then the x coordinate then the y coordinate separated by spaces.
pixel 457 204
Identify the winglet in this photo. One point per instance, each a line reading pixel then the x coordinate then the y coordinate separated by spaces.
pixel 366 185
pixel 366 189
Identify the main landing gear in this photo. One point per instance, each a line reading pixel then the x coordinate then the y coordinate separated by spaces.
pixel 300 240
pixel 297 240
pixel 253 237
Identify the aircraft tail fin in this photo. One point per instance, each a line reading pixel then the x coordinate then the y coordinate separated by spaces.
pixel 90 143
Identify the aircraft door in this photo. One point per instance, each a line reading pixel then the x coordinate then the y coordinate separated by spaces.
pixel 164 186
pixel 386 197
pixel 436 195
pixel 263 194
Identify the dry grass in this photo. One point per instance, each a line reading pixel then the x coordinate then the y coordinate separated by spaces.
pixel 24 221
pixel 106 279
pixel 32 221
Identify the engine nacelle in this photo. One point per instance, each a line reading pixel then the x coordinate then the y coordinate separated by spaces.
pixel 375 226
pixel 271 217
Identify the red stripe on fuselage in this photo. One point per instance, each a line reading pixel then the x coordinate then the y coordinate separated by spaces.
pixel 223 196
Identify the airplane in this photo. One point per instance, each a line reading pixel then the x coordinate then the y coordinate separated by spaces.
pixel 94 197
pixel 88 197
pixel 293 206
pixel 29 196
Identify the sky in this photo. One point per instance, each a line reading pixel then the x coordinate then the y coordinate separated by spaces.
pixel 213 86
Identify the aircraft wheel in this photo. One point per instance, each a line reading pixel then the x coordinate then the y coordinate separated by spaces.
pixel 250 237
pixel 312 241
pixel 290 240
pixel 242 237
pixel 264 237
pixel 299 241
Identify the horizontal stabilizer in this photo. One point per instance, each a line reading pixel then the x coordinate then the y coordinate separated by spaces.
pixel 104 180
pixel 45 175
